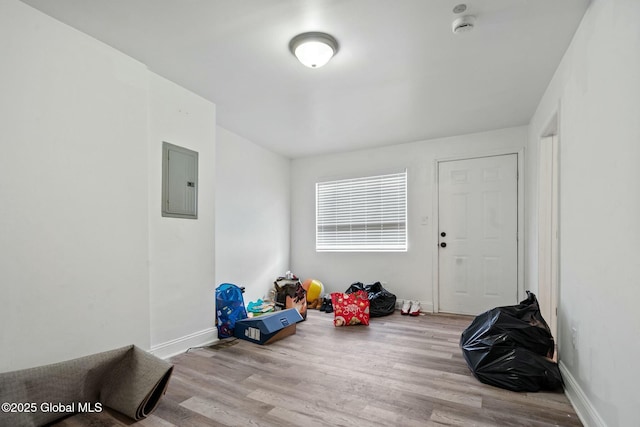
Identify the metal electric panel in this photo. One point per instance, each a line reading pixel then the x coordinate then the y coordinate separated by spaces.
pixel 179 182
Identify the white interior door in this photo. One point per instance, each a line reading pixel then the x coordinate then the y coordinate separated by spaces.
pixel 478 232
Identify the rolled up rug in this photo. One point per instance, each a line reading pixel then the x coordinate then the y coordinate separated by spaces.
pixel 128 380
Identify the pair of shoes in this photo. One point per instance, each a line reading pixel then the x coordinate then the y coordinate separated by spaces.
pixel 412 308
pixel 327 305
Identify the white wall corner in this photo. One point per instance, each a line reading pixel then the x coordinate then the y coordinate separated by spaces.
pixel 180 345
pixel 585 410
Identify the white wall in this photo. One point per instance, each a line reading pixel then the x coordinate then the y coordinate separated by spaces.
pixel 252 215
pixel 181 251
pixel 73 193
pixel 408 274
pixel 87 263
pixel 597 90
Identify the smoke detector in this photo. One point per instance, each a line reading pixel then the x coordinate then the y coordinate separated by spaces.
pixel 460 8
pixel 463 24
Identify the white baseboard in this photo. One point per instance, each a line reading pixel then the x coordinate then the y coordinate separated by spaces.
pixel 427 307
pixel 171 348
pixel 585 410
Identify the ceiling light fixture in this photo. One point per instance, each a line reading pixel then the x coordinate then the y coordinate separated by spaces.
pixel 463 24
pixel 313 49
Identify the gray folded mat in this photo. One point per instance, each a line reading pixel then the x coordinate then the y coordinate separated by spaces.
pixel 128 380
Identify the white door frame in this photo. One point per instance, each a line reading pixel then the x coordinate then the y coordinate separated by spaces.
pixel 548 230
pixel 436 221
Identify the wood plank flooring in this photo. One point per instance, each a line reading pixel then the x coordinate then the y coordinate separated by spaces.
pixel 398 371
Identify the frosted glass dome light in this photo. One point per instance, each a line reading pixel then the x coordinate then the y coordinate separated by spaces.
pixel 313 49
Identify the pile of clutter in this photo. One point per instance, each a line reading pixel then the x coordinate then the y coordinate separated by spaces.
pixel 234 321
pixel 289 292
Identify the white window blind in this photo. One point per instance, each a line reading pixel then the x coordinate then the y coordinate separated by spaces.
pixel 362 214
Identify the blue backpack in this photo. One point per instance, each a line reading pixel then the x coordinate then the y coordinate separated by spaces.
pixel 229 308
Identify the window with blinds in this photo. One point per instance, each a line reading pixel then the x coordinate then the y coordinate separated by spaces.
pixel 362 214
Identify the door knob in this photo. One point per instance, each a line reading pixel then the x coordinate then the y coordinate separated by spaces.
pixel 443 245
pixel 443 234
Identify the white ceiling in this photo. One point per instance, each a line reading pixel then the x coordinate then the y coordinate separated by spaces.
pixel 400 75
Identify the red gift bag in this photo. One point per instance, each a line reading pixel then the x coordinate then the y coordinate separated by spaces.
pixel 350 309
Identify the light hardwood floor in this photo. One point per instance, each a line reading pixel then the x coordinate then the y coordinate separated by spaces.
pixel 398 371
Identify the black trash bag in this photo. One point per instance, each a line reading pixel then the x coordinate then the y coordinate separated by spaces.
pixel 519 369
pixel 381 301
pixel 511 347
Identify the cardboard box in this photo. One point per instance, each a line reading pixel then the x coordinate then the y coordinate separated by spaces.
pixel 268 328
